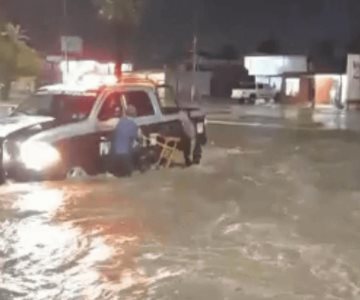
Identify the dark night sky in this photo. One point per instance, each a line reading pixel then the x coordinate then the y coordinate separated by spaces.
pixel 167 26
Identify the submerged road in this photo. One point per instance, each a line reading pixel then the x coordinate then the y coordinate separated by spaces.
pixel 270 214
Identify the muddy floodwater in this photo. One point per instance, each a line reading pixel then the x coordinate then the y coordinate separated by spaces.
pixel 270 214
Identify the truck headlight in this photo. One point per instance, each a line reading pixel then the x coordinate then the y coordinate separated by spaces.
pixel 38 156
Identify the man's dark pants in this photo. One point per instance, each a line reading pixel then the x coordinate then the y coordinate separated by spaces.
pixel 122 165
pixel 192 154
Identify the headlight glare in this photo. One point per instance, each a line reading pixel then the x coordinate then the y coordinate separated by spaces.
pixel 38 156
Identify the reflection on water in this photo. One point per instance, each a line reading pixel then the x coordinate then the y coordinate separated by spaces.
pixel 50 246
pixel 244 225
pixel 40 200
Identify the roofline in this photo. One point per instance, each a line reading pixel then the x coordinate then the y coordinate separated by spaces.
pixel 274 55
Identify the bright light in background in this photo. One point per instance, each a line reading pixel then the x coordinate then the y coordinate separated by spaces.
pixel 274 65
pixel 93 80
pixel 127 67
pixel 89 72
pixel 292 87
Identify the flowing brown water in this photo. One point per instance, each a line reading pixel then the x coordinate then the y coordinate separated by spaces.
pixel 275 218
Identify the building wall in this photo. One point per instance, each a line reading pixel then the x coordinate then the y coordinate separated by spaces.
pixel 305 87
pixel 182 81
pixel 299 95
pixel 330 89
pixel 275 65
pixel 323 87
pixel 209 64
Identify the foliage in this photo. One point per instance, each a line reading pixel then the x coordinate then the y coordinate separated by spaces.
pixel 123 11
pixel 124 17
pixel 16 57
pixel 29 62
pixel 5 50
pixel 14 33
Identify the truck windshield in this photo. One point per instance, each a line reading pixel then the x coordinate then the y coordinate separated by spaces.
pixel 70 107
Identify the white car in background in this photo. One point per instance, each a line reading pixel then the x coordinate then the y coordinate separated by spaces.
pixel 249 92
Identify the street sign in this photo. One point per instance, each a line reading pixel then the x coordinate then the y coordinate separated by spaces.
pixel 71 44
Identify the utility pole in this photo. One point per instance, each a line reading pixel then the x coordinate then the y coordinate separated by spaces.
pixel 194 52
pixel 194 67
pixel 64 41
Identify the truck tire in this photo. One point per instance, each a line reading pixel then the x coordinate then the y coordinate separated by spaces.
pixel 76 173
pixel 241 101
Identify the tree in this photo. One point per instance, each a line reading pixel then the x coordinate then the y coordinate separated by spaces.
pixel 125 17
pixel 28 62
pixel 123 11
pixel 229 52
pixel 270 46
pixel 16 58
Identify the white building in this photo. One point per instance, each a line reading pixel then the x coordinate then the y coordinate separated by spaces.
pixel 271 68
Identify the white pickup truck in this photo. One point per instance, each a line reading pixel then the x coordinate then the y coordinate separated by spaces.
pixel 250 92
pixel 60 131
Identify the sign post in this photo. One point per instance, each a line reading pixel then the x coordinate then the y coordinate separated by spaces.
pixel 71 45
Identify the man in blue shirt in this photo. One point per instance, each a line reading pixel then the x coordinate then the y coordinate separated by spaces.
pixel 126 136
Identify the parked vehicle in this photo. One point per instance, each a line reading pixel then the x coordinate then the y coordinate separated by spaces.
pixel 59 132
pixel 250 92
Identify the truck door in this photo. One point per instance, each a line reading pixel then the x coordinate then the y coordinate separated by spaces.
pixel 107 119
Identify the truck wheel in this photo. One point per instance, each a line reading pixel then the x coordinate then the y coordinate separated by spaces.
pixel 252 99
pixel 241 101
pixel 73 170
pixel 76 173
